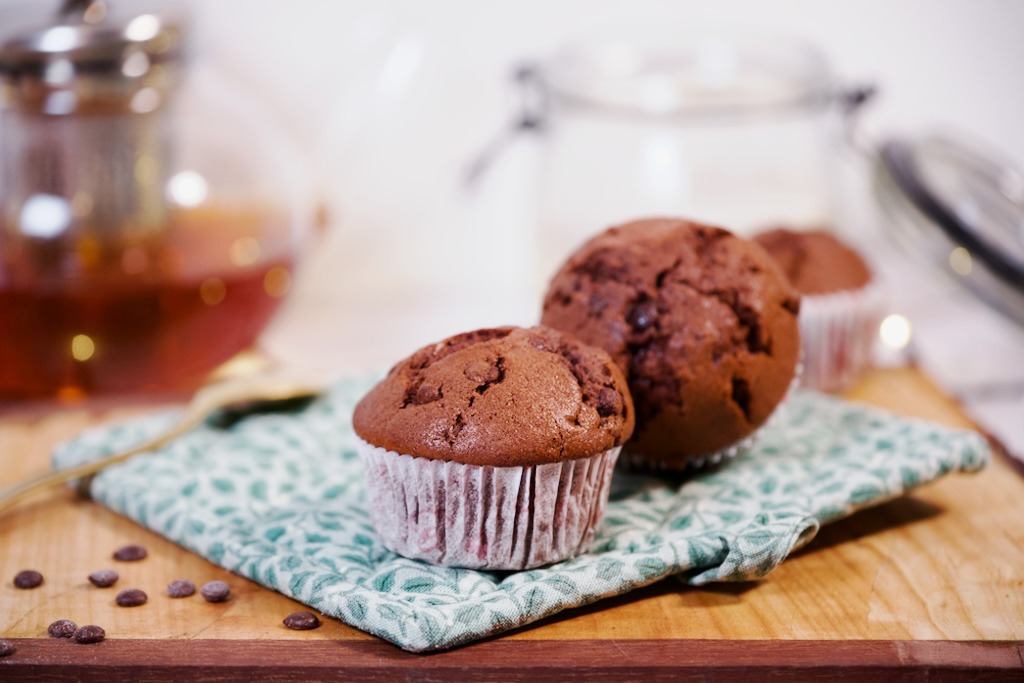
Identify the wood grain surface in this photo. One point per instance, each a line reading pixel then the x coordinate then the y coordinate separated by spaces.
pixel 706 661
pixel 930 584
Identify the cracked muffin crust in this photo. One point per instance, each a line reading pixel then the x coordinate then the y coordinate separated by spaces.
pixel 703 324
pixel 502 397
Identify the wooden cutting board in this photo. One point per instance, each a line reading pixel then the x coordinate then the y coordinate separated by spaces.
pixel 931 584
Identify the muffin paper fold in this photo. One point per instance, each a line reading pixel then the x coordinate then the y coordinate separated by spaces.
pixel 282 499
pixel 483 517
pixel 838 332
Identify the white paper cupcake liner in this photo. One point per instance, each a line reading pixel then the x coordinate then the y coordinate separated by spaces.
pixel 483 517
pixel 837 332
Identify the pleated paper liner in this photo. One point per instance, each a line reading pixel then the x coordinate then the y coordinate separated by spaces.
pixel 484 517
pixel 838 332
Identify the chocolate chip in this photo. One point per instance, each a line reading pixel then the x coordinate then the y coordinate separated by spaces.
pixel 426 393
pixel 182 588
pixel 215 591
pixel 29 578
pixel 597 304
pixel 6 648
pixel 131 597
pixel 301 621
pixel 741 396
pixel 482 372
pixel 642 314
pixel 130 553
pixel 599 268
pixel 62 628
pixel 103 578
pixel 608 402
pixel 90 634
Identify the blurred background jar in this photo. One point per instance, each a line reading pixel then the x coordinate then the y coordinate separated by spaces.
pixel 148 226
pixel 742 131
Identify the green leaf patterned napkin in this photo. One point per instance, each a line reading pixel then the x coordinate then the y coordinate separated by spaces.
pixel 280 499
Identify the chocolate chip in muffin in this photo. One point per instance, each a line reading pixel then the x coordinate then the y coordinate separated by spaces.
pixel 131 597
pixel 6 648
pixel 130 553
pixel 89 634
pixel 215 591
pixel 609 402
pixel 103 578
pixel 62 628
pixel 29 578
pixel 484 373
pixel 301 621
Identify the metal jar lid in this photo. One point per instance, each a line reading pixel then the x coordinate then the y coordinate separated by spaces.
pixel 961 209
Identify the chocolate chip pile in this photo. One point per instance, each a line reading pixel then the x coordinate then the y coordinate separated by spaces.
pixel 212 592
pixel 65 628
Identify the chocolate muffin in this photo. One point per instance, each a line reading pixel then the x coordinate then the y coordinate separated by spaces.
pixel 494 448
pixel 815 261
pixel 842 305
pixel 702 323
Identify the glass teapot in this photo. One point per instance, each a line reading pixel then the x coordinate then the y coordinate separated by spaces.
pixel 148 226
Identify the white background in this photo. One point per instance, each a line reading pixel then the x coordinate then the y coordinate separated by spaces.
pixel 953 66
pixel 388 100
pixel 409 90
pixel 939 63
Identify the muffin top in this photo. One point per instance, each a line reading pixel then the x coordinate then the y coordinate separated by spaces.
pixel 815 261
pixel 702 323
pixel 505 397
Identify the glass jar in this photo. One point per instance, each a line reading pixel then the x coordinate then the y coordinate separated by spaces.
pixel 733 130
pixel 148 223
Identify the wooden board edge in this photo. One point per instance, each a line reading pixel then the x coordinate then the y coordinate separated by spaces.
pixel 515 660
pixel 1000 450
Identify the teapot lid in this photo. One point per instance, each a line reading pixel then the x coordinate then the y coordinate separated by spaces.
pixel 92 35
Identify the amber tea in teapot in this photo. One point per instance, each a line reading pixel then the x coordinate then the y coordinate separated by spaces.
pixel 140 317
